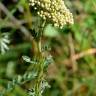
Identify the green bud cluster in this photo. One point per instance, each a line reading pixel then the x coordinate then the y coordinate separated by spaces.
pixel 54 11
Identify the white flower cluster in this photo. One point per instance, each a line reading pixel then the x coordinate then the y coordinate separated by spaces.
pixel 54 11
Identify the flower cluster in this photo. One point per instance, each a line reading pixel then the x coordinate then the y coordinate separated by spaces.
pixel 54 11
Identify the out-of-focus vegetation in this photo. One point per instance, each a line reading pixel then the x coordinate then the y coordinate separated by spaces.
pixel 73 48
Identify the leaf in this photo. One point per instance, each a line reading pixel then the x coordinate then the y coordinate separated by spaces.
pixel 50 31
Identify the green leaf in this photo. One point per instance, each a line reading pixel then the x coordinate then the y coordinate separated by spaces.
pixel 50 31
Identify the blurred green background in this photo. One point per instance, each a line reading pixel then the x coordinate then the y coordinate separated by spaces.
pixel 73 49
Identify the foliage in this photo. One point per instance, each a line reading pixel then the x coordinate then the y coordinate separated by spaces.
pixel 34 58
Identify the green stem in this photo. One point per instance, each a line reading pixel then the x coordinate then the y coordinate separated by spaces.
pixel 40 66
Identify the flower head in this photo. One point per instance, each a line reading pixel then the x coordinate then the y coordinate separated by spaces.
pixel 54 11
